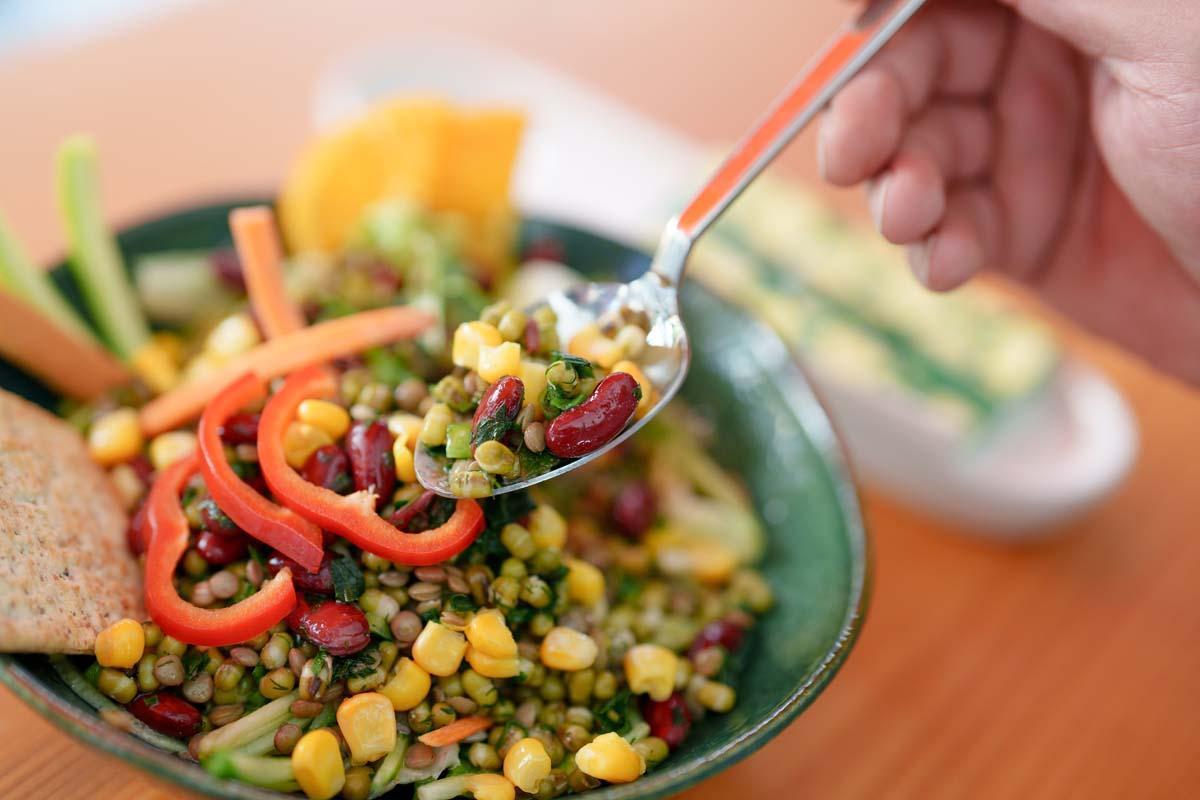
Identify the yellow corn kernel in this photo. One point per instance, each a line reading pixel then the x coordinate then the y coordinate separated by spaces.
pixel 716 696
pixel 407 686
pixel 593 345
pixel 329 417
pixel 610 758
pixel 496 362
pixel 439 650
pixel 405 427
pixel 121 644
pixel 171 345
pixel 548 527
pixel 155 364
pixel 491 666
pixel 489 786
pixel 469 337
pixel 526 763
pixel 200 366
pixel 704 558
pixel 368 724
pixel 406 470
pixel 568 649
pixel 585 582
pixel 650 669
pixel 488 633
pixel 533 375
pixel 232 336
pixel 317 764
pixel 635 372
pixel 115 437
pixel 169 447
pixel 301 440
pixel 433 429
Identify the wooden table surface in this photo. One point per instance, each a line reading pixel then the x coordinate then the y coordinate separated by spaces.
pixel 1066 669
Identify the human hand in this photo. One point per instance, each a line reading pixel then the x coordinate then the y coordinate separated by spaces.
pixel 1056 141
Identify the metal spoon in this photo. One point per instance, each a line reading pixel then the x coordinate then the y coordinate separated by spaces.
pixel 656 294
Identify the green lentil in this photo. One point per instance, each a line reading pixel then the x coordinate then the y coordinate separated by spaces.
pixel 580 685
pixel 277 683
pixel 117 685
pixel 541 624
pixel 442 714
pixel 494 458
pixel 479 688
pixel 517 540
pixel 146 680
pixel 420 719
pixel 552 688
pixel 505 591
pixel 170 646
pixel 483 756
pixel 536 592
pixel 653 749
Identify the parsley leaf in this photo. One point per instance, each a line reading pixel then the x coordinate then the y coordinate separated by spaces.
pixel 348 582
pixel 616 713
pixel 492 428
pixel 555 399
pixel 582 367
pixel 460 603
pixel 534 464
pixel 356 665
pixel 194 662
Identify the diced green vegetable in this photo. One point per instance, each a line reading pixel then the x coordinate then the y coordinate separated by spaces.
pixel 458 440
pixel 95 260
pixel 269 772
pixel 250 727
pixel 389 767
pixel 180 287
pixel 23 278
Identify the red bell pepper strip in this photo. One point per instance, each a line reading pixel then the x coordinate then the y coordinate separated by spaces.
pixel 271 524
pixel 352 516
pixel 206 627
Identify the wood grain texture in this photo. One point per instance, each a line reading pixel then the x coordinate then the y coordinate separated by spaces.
pixel 1065 669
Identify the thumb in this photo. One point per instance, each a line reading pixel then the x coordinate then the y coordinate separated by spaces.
pixel 1117 28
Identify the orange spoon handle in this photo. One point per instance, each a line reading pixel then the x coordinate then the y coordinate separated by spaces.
pixel 841 60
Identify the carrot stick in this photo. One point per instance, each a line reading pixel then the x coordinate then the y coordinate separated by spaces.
pixel 276 357
pixel 455 732
pixel 258 249
pixel 62 360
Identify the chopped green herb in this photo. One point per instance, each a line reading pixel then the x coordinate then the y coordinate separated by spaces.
pixel 534 464
pixel 431 615
pixel 357 665
pixel 195 662
pixel 555 401
pixel 151 700
pixel 325 719
pixel 519 615
pixel 582 367
pixel 318 661
pixel 348 581
pixel 628 588
pixel 616 714
pixel 387 366
pixel 92 675
pixel 460 603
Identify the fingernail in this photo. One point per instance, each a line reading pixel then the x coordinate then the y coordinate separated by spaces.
pixel 877 199
pixel 919 258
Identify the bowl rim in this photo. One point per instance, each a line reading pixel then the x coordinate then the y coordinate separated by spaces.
pixel 802 398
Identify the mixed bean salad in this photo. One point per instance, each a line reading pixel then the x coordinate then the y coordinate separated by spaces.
pixel 320 623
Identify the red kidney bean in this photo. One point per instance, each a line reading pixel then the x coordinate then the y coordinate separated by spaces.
pixel 502 401
pixel 143 468
pixel 240 429
pixel 668 719
pixel 319 582
pixel 371 459
pixel 228 268
pixel 339 628
pixel 718 633
pixel 212 518
pixel 533 337
pixel 596 421
pixel 634 508
pixel 426 512
pixel 167 714
pixel 138 531
pixel 221 549
pixel 329 466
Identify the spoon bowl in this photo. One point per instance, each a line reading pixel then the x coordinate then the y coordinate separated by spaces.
pixel 664 361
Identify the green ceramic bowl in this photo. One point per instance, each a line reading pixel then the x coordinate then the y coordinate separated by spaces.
pixel 773 431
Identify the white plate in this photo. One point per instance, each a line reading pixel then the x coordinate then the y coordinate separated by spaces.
pixel 589 160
